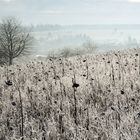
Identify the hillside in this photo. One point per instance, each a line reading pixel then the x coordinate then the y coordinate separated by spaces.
pixel 92 97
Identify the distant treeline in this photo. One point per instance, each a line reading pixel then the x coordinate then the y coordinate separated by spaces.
pixel 51 27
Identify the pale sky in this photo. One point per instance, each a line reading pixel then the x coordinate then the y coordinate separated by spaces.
pixel 72 11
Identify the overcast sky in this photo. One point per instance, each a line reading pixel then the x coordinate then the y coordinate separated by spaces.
pixel 72 11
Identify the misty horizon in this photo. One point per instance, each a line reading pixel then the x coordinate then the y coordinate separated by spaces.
pixel 57 24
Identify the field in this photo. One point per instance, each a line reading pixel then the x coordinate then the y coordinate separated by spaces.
pixel 91 97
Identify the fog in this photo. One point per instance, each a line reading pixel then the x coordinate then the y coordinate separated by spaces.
pixel 104 37
pixel 110 24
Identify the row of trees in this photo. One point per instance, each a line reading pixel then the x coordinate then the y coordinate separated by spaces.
pixel 15 40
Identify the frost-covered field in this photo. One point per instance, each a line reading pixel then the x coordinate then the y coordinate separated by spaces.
pixel 80 98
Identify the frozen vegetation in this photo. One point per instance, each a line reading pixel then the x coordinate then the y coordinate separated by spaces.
pixel 90 97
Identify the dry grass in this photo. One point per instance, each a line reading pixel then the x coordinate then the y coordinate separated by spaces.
pixel 80 98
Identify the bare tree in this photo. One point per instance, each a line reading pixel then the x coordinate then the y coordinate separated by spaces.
pixel 66 52
pixel 89 46
pixel 14 39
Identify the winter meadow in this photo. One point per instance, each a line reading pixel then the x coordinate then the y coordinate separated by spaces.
pixel 69 70
pixel 91 97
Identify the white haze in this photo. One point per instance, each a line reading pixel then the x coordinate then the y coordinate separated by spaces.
pixel 78 12
pixel 105 37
